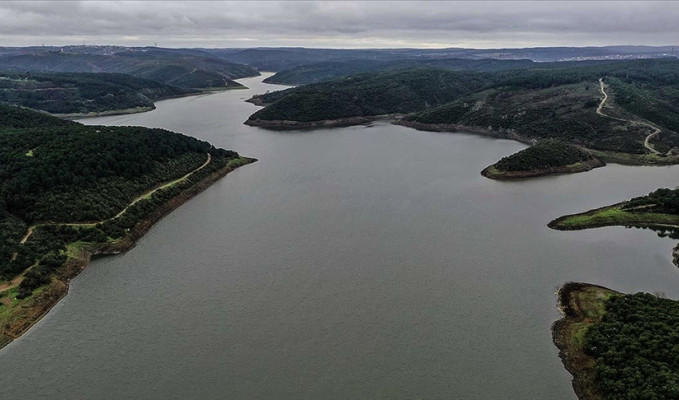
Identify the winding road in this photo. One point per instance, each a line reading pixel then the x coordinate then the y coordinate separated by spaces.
pixel 16 281
pixel 655 132
pixel 136 200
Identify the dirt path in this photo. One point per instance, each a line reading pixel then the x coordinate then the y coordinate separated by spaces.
pixel 17 280
pixel 14 282
pixel 136 200
pixel 27 235
pixel 655 132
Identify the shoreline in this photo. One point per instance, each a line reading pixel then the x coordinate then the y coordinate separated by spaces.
pixel 139 110
pixel 454 128
pixel 45 298
pixel 597 218
pixel 492 172
pixel 326 123
pixel 94 114
pixel 603 155
pixel 581 306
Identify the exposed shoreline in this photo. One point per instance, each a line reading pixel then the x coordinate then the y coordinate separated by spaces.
pixel 94 114
pixel 580 305
pixel 138 110
pixel 327 123
pixel 42 301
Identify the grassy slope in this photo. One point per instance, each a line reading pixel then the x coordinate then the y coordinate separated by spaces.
pixel 583 307
pixel 613 216
pixel 655 210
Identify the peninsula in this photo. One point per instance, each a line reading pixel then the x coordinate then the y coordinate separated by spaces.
pixel 60 205
pixel 546 157
pixel 618 346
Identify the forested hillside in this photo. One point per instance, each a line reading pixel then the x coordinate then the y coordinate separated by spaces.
pixel 329 70
pixel 562 103
pixel 81 93
pixel 184 69
pixel 73 183
pixel 636 348
pixel 369 95
pixel 543 155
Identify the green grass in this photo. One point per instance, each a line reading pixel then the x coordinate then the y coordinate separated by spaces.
pixel 591 301
pixel 29 153
pixel 584 307
pixel 611 216
pixel 75 249
pixel 633 159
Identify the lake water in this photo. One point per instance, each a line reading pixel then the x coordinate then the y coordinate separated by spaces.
pixel 355 263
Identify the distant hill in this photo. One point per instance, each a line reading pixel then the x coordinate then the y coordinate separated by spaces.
pixel 182 68
pixel 82 93
pixel 284 58
pixel 329 70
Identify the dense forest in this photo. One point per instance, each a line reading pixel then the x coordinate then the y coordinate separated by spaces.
pixel 54 171
pixel 80 93
pixel 663 201
pixel 369 94
pixel 543 155
pixel 186 69
pixel 636 346
pixel 330 70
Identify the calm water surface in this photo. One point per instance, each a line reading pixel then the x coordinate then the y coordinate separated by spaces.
pixel 355 263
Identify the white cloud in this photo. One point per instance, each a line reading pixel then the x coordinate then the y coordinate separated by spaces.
pixel 339 24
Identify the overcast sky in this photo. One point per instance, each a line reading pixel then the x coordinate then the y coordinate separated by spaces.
pixel 480 24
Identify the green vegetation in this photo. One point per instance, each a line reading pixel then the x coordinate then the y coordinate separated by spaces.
pixel 71 93
pixel 543 155
pixel 330 70
pixel 561 103
pixel 636 346
pixel 368 95
pixel 566 112
pixel 279 59
pixel 659 211
pixel 78 180
pixel 618 347
pixel 529 103
pixel 582 306
pixel 182 68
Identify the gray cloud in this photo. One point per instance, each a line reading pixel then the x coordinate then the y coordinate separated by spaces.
pixel 339 24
